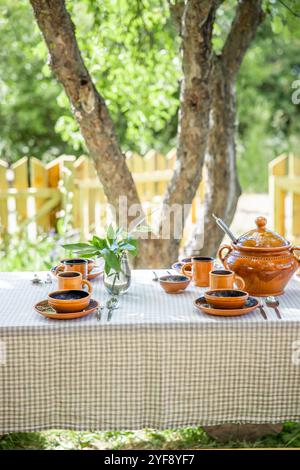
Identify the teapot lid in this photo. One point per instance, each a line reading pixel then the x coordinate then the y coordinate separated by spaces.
pixel 261 237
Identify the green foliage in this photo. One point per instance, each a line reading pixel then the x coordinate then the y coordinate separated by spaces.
pixel 28 93
pixel 111 247
pixel 168 439
pixel 19 253
pixel 132 52
pixel 268 121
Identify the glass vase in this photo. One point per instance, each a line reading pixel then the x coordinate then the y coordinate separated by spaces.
pixel 117 283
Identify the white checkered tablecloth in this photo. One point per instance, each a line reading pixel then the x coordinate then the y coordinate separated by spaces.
pixel 159 362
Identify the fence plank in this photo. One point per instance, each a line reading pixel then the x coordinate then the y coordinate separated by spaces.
pixel 20 169
pixel 53 173
pixel 278 167
pixel 149 166
pixel 137 163
pixel 55 177
pixel 3 202
pixel 78 178
pixel 92 195
pixel 82 195
pixel 97 200
pixel 39 179
pixel 161 164
pixel 294 171
pixel 67 183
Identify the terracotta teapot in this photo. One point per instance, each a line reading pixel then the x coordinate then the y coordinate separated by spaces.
pixel 264 259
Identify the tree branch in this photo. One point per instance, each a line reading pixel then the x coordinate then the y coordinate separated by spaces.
pixel 87 104
pixel 193 122
pixel 249 15
pixel 196 31
pixel 294 13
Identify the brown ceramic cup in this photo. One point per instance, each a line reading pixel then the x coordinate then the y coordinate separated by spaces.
pixel 201 267
pixel 72 280
pixel 79 265
pixel 225 279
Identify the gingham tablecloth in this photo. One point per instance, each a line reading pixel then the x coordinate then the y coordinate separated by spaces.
pixel 159 362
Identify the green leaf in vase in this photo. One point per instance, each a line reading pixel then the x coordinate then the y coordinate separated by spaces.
pixel 89 255
pixel 111 259
pixel 98 242
pixel 114 246
pixel 128 246
pixel 110 232
pixel 77 246
pixel 106 268
pixel 119 231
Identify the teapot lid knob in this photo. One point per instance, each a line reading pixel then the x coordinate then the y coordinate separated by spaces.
pixel 261 222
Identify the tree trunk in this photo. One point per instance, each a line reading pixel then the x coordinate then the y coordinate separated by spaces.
pixel 87 104
pixel 222 188
pixel 97 129
pixel 196 31
pixel 96 126
pixel 197 19
pixel 242 432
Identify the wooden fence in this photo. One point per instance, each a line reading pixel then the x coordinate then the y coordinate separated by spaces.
pixel 33 194
pixel 284 189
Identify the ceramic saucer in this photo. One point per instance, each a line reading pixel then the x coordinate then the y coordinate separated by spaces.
pixel 93 305
pixel 177 266
pixel 249 306
pixel 95 273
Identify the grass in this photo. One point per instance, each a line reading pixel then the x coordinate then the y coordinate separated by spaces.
pixel 184 438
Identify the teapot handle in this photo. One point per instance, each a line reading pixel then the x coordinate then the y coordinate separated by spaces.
pixel 222 258
pixel 296 248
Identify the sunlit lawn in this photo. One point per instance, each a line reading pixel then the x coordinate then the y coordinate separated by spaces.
pixel 184 438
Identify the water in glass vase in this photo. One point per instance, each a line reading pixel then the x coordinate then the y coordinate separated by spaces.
pixel 117 283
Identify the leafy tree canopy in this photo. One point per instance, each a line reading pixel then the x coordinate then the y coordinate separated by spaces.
pixel 28 106
pixel 268 120
pixel 132 51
